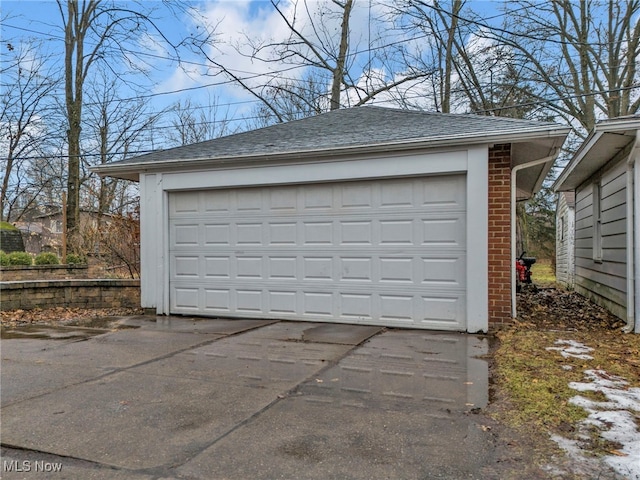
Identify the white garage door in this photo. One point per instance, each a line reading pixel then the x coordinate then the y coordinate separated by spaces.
pixel 388 252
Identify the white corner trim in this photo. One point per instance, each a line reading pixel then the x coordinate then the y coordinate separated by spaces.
pixel 153 232
pixel 478 240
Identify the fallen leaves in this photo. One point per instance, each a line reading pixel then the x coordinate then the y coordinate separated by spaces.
pixel 553 309
pixel 61 315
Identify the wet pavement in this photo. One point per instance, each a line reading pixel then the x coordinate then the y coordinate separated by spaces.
pixel 180 398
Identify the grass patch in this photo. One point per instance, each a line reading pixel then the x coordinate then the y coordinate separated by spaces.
pixel 542 273
pixel 537 384
pixel 536 381
pixel 7 226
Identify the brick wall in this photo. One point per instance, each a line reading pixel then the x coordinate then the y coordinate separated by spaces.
pixel 499 235
pixel 69 293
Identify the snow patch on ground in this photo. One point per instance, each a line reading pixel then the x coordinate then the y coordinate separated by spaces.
pixel 572 349
pixel 613 417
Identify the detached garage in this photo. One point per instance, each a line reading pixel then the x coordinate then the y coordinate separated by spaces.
pixel 366 215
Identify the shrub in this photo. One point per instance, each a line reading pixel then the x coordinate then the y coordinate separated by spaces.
pixel 47 258
pixel 4 259
pixel 74 259
pixel 20 258
pixel 7 226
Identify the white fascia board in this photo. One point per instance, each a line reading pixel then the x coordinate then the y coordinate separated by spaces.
pixel 361 169
pixel 618 124
pixel 132 170
pixel 584 149
pixel 606 126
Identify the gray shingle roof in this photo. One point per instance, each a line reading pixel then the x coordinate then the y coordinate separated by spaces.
pixel 344 128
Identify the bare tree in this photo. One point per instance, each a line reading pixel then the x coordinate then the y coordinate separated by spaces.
pixel 443 47
pixel 193 123
pixel 467 70
pixel 115 128
pixel 580 57
pixel 96 31
pixel 26 87
pixel 320 43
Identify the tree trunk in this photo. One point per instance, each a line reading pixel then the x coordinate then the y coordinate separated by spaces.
pixel 448 66
pixel 338 73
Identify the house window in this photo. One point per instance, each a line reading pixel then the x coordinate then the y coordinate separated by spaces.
pixel 597 222
pixel 562 228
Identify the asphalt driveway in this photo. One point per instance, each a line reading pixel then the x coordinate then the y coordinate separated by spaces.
pixel 180 398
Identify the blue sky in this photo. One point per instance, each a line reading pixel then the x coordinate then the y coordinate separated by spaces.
pixel 234 20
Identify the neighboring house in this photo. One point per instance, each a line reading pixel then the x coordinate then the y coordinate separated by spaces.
pixel 565 238
pixel 43 231
pixel 605 176
pixel 37 238
pixel 366 215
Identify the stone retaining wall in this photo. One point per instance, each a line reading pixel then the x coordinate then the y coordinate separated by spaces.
pixel 38 272
pixel 27 295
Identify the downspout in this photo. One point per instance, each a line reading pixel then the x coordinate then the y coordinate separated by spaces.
pixel 514 172
pixel 632 234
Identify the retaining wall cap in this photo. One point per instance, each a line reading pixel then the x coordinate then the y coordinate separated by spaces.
pixel 101 282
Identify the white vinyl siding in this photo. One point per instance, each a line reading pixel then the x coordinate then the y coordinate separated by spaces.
pixel 384 252
pixel 565 241
pixel 601 275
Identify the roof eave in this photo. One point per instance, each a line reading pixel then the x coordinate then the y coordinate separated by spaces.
pixel 131 171
pixel 566 181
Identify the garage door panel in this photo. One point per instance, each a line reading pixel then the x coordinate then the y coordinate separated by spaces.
pixel 397 308
pixel 282 267
pixel 441 309
pixel 358 269
pixel 317 233
pixel 186 298
pixel 218 267
pixel 318 268
pixel 283 302
pixel 317 303
pixel 185 235
pixel 283 200
pixel 249 268
pixel 388 252
pixel 317 198
pixel 249 301
pixel 356 306
pixel 443 231
pixel 217 201
pixel 356 232
pixel 249 200
pixel 185 203
pixel 217 234
pixel 356 196
pixel 397 270
pixel 449 191
pixel 442 270
pixel 186 266
pixel 249 233
pixel 397 195
pixel 397 232
pixel 217 300
pixel 283 233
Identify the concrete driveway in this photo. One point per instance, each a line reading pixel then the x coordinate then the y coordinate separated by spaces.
pixel 180 398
